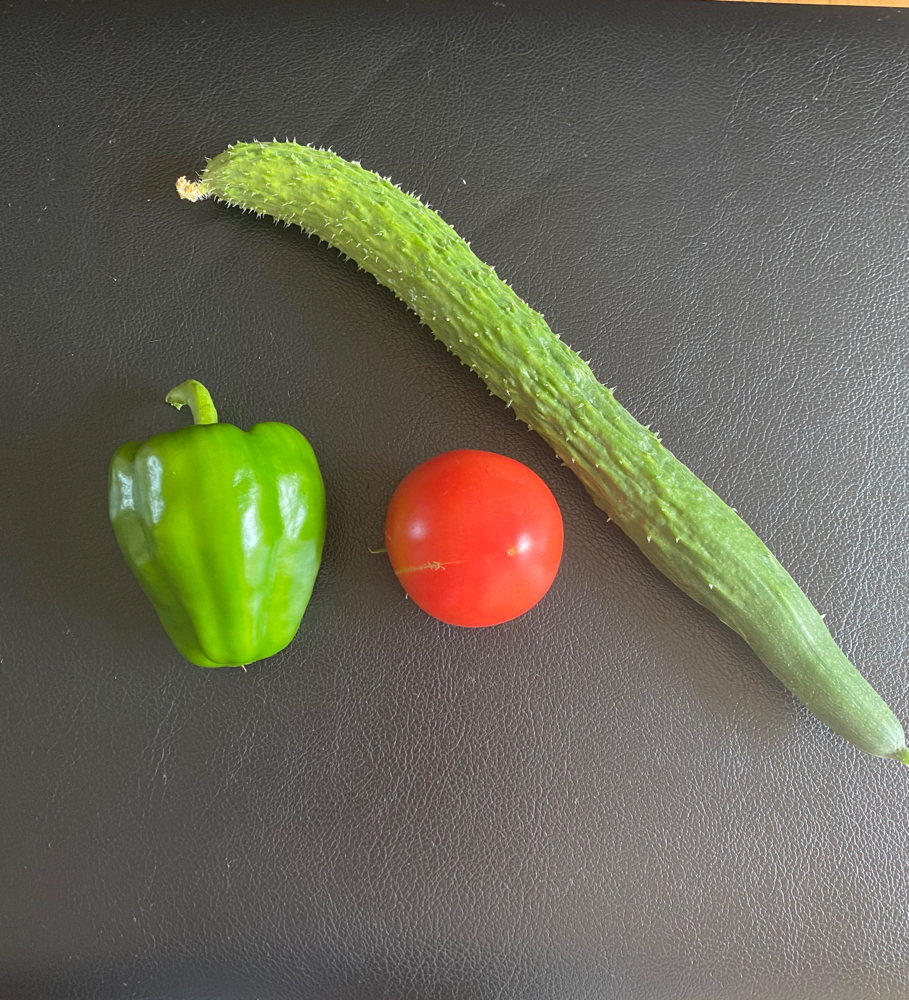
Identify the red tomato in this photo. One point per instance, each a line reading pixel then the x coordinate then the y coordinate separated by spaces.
pixel 475 538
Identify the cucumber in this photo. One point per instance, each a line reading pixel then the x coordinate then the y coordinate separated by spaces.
pixel 679 524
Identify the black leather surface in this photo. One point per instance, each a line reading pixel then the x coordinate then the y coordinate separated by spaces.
pixel 608 798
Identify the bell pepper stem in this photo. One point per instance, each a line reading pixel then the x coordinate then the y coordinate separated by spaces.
pixel 196 396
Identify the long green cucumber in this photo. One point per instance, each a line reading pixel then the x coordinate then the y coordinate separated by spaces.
pixel 679 524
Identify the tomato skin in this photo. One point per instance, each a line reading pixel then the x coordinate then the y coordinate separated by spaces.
pixel 475 538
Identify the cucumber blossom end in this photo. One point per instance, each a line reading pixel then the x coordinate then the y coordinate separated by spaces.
pixel 191 190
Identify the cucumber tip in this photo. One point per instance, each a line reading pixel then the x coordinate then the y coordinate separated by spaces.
pixel 189 190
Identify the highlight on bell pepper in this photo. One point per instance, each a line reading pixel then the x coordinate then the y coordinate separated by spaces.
pixel 223 529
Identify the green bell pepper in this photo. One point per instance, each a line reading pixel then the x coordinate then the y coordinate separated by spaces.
pixel 223 529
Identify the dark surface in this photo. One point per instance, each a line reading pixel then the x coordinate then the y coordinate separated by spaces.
pixel 608 798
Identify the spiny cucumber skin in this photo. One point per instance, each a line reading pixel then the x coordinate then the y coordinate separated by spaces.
pixel 679 524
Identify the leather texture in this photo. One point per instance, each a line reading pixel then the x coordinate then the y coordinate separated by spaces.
pixel 608 798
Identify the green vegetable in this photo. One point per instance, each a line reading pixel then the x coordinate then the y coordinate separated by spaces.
pixel 681 525
pixel 223 529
